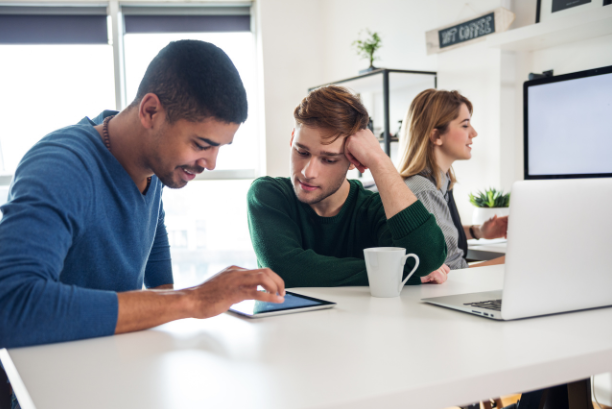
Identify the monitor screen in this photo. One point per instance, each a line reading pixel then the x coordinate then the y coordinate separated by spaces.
pixel 568 125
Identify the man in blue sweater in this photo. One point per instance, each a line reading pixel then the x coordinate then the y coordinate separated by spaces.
pixel 83 229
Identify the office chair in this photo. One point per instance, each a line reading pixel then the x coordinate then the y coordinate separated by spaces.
pixel 574 395
pixel 5 391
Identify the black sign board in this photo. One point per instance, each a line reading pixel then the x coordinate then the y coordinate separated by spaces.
pixel 468 30
pixel 558 5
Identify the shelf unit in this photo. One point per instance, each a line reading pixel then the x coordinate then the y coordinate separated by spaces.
pixel 385 81
pixel 559 31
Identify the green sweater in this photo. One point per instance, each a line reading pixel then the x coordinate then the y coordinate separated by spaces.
pixel 308 250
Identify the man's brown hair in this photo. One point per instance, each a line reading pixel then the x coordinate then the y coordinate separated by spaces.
pixel 332 108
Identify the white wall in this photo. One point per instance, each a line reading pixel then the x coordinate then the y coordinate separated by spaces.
pixel 401 24
pixel 475 73
pixel 290 41
pixel 308 42
pixel 516 66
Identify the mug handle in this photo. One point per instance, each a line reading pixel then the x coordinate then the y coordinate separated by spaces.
pixel 416 265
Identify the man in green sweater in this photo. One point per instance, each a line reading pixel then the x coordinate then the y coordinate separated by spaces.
pixel 312 228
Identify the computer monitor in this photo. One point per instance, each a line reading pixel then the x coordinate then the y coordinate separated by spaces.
pixel 568 125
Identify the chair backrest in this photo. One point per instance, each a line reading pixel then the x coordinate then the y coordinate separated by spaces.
pixel 5 390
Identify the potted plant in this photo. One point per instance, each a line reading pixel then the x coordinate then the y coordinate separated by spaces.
pixel 489 203
pixel 367 48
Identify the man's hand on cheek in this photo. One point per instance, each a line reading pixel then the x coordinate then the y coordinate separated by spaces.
pixel 363 150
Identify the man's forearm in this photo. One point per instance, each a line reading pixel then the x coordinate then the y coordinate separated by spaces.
pixel 394 193
pixel 140 310
pixel 145 309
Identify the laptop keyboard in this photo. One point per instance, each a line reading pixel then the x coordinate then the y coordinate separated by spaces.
pixel 489 305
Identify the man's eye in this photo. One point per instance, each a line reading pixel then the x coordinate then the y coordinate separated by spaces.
pixel 330 161
pixel 302 153
pixel 201 148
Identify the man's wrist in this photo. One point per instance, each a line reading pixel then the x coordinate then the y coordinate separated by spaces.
pixel 185 303
pixel 140 309
pixel 381 163
pixel 181 303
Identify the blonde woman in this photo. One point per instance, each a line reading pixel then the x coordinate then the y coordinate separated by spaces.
pixel 435 133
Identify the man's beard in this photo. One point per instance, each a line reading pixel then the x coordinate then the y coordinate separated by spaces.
pixel 167 179
pixel 323 195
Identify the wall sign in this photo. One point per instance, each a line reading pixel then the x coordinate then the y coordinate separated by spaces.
pixel 468 31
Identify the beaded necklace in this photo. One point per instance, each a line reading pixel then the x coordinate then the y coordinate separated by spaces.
pixel 107 143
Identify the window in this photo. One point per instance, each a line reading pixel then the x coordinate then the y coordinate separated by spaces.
pixel 59 75
pixel 207 229
pixel 50 77
pixel 206 220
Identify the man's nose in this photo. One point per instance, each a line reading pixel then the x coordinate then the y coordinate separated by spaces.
pixel 210 161
pixel 310 169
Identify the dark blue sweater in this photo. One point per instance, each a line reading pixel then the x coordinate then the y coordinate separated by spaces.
pixel 75 231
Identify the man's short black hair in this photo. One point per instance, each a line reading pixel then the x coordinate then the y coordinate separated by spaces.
pixel 195 80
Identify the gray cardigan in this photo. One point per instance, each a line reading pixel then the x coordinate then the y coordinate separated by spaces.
pixel 436 202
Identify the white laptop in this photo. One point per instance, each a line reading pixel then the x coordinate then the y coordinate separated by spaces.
pixel 558 255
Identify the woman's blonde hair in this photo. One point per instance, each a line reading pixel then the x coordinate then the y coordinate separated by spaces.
pixel 431 109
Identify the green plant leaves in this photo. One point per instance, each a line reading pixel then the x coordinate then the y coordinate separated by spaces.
pixel 366 48
pixel 490 198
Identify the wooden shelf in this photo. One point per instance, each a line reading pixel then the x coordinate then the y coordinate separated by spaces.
pixel 563 30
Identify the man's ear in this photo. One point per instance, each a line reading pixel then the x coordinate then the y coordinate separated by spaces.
pixel 435 138
pixel 292 136
pixel 150 111
pixel 351 166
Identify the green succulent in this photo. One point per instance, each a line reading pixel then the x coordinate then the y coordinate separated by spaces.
pixel 490 198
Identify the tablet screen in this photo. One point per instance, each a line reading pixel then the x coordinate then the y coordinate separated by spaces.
pixel 292 301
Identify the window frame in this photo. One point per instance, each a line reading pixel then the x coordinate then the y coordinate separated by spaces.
pixel 115 11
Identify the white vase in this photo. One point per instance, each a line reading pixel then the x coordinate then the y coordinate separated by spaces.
pixel 482 214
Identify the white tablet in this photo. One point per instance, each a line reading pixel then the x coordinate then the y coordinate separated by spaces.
pixel 293 303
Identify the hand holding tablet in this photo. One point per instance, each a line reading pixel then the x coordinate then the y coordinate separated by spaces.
pixel 293 303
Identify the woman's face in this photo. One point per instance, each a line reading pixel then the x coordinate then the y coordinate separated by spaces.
pixel 455 143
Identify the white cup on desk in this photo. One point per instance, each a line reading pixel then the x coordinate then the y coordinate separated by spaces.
pixel 385 266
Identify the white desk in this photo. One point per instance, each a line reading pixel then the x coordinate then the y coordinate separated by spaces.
pixel 365 353
pixel 486 249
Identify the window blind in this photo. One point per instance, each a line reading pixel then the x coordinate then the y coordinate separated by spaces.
pixel 50 25
pixel 186 19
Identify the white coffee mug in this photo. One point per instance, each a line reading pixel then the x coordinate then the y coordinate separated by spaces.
pixel 385 266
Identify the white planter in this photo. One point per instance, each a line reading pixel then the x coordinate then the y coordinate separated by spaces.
pixel 482 214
